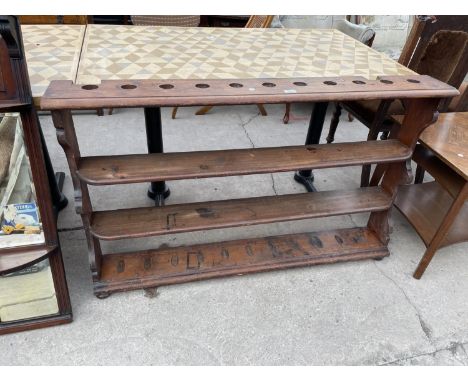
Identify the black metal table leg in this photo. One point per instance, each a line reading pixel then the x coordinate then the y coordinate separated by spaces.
pixel 306 177
pixel 157 190
pixel 59 201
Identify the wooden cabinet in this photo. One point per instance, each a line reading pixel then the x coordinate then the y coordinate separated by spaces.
pixel 33 288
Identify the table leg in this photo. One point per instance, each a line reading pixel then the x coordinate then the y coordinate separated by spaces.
pixel 157 190
pixel 374 130
pixel 442 231
pixel 59 201
pixel 305 177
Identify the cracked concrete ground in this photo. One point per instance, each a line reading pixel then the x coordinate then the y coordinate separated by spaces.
pixel 359 313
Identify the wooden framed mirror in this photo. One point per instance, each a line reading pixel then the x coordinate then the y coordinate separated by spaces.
pixel 33 288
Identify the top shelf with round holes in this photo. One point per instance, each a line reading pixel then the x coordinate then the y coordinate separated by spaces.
pixel 141 93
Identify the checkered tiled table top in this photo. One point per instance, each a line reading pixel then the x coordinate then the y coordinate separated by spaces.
pixel 52 53
pixel 142 52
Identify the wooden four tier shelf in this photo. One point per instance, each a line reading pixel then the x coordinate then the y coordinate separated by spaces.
pixel 114 272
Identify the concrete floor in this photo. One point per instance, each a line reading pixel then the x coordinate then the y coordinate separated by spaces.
pixel 360 313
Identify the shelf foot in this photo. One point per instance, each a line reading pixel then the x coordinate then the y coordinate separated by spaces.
pixel 151 292
pixel 102 295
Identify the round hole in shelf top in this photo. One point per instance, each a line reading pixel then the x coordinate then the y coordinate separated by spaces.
pixel 329 82
pixel 166 86
pixel 235 85
pixel 128 87
pixel 359 82
pixel 299 83
pixel 89 87
pixel 269 84
pixel 202 86
pixel 413 81
pixel 386 81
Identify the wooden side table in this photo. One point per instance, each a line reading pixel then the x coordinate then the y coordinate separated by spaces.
pixel 438 210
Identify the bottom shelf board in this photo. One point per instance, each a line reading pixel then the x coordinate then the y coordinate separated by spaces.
pixel 164 266
pixel 425 205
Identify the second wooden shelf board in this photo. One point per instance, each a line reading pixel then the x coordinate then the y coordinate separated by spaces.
pixel 121 169
pixel 425 205
pixel 151 221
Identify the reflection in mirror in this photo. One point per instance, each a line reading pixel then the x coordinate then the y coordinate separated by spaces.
pixel 19 215
pixel 28 293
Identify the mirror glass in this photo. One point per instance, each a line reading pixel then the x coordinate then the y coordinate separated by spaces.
pixel 19 215
pixel 29 292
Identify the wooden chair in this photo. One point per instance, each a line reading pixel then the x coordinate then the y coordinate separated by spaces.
pixel 259 22
pixel 253 22
pixel 460 103
pixel 176 21
pixel 439 51
pixel 438 210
